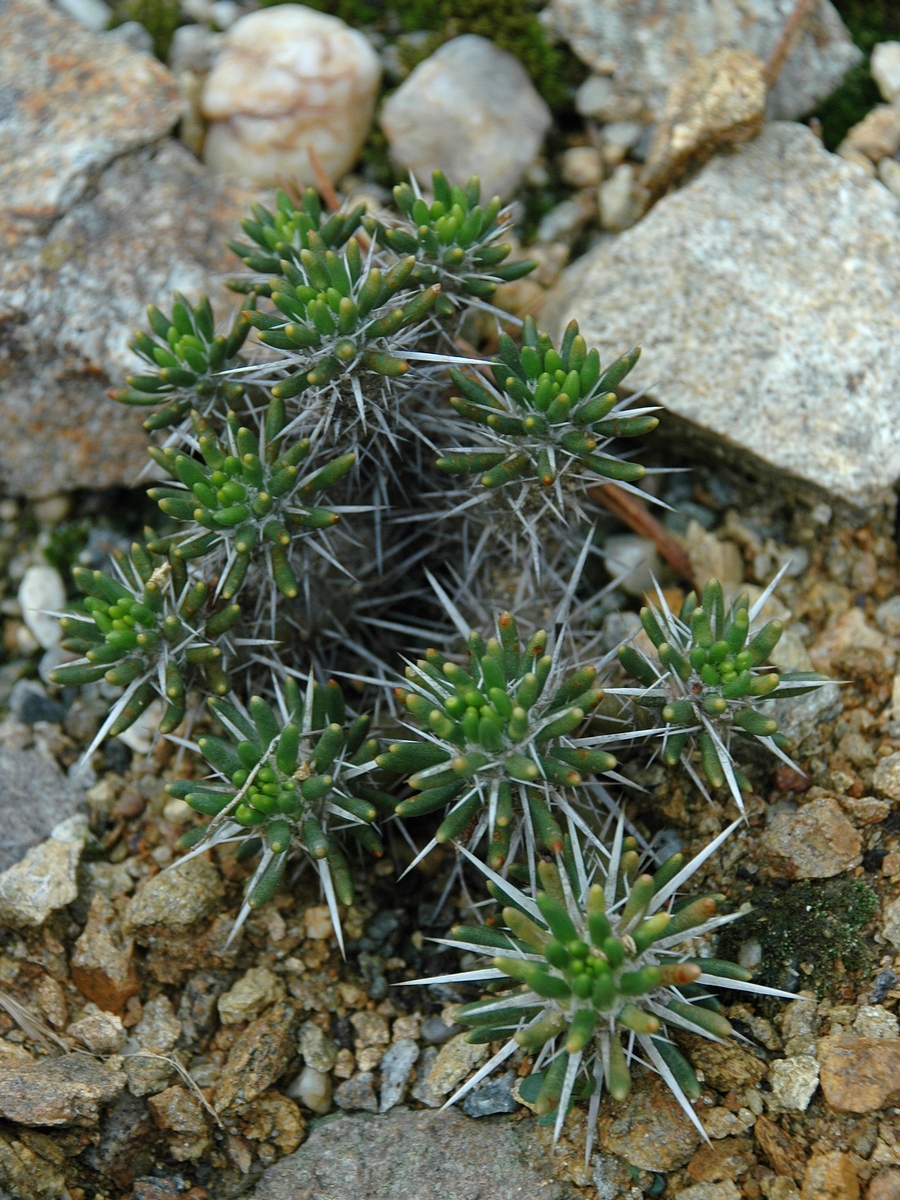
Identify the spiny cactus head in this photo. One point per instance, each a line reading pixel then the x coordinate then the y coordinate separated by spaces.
pixel 247 496
pixel 593 963
pixel 454 240
pixel 286 778
pixel 551 414
pixel 498 736
pixel 187 359
pixel 282 235
pixel 709 679
pixel 150 623
pixel 335 317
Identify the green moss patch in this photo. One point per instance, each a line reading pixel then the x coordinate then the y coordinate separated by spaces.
pixel 805 928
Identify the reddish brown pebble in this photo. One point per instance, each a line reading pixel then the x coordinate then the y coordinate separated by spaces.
pixel 787 779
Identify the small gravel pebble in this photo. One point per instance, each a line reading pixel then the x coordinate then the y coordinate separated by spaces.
pixel 793 1081
pixel 422 1089
pixel 457 1059
pixel 874 1020
pixel 436 1030
pixel 313 1089
pixel 29 703
pixel 42 592
pixel 886 779
pixel 316 1047
pixel 816 842
pixel 649 1131
pixel 178 898
pixel 358 1092
pixel 179 1113
pixel 102 964
pixel 396 1067
pixel 371 1029
pixel 253 992
pixel 42 882
pixel 884 981
pixel 859 1074
pixel 831 1176
pixel 100 1032
pixel 58 1091
pixel 724 1190
pixel 495 1096
pixel 262 1053
pixel 890 922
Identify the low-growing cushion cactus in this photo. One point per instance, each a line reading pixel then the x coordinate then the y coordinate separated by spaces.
pixel 501 739
pixel 585 975
pixel 337 316
pixel 455 241
pixel 543 431
pixel 247 498
pixel 152 629
pixel 709 681
pixel 335 375
pixel 281 235
pixel 189 363
pixel 288 779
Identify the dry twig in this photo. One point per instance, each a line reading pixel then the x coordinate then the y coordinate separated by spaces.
pixel 635 515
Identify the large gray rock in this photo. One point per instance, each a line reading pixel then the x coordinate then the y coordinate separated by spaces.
pixel 469 109
pixel 72 102
pixel 34 797
pixel 426 1155
pixel 642 45
pixel 98 218
pixel 70 300
pixel 765 295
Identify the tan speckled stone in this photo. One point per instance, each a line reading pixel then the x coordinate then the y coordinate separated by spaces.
pixel 860 1074
pixel 765 295
pixel 831 1176
pixel 649 1129
pixel 637 47
pixel 816 842
pixel 719 101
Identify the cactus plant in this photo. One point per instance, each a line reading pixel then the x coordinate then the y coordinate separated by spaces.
pixel 286 779
pixel 506 753
pixel 282 235
pixel 585 974
pixel 709 681
pixel 543 431
pixel 189 363
pixel 246 497
pixel 501 740
pixel 454 241
pixel 152 629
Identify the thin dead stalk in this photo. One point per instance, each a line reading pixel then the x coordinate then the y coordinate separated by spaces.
pixel 784 47
pixel 633 512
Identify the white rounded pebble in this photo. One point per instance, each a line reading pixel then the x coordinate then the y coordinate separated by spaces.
pixel 469 109
pixel 634 560
pixel 287 79
pixel 41 592
pixel 312 1088
pixel 885 68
